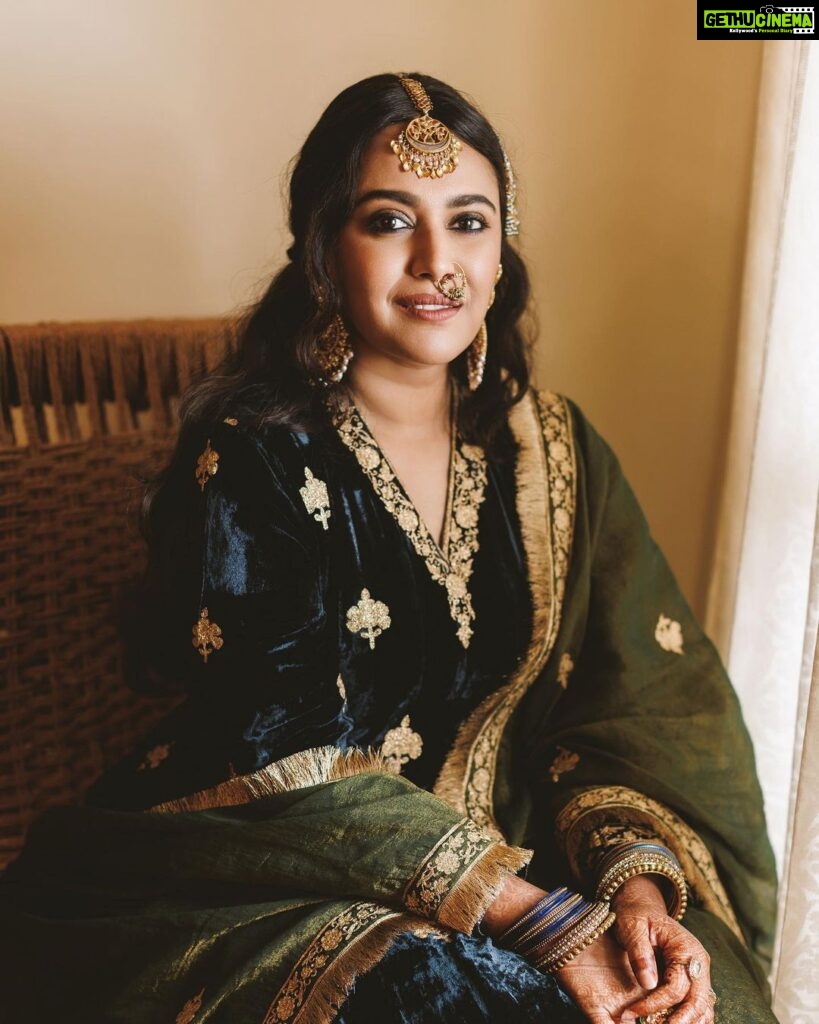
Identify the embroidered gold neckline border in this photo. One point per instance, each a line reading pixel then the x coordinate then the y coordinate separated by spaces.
pixel 546 479
pixel 467 491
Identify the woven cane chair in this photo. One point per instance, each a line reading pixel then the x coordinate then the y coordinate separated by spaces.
pixel 86 410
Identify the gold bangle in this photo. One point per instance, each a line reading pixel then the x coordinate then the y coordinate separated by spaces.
pixel 636 864
pixel 570 948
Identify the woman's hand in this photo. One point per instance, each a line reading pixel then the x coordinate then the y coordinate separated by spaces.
pixel 643 926
pixel 600 981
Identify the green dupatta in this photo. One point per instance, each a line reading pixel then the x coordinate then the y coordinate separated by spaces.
pixel 264 898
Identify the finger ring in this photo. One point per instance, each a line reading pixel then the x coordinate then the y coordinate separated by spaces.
pixel 693 967
pixel 658 1017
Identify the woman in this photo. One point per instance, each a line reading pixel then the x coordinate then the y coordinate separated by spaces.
pixel 427 640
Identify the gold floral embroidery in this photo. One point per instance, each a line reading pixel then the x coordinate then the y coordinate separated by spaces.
pixel 190 1009
pixel 323 954
pixel 231 421
pixel 546 481
pixel 668 635
pixel 207 636
pixel 207 465
pixel 154 757
pixel 564 669
pixel 565 761
pixel 315 497
pixel 585 813
pixel 342 689
pixel 452 568
pixel 368 618
pixel 401 745
pixel 451 856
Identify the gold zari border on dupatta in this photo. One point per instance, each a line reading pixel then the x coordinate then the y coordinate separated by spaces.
pixel 461 876
pixel 584 813
pixel 349 944
pixel 546 478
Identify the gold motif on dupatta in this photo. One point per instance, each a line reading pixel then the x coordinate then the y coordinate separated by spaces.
pixel 401 745
pixel 564 669
pixel 546 496
pixel 207 636
pixel 189 1011
pixel 154 757
pixel 452 566
pixel 342 689
pixel 668 635
pixel 565 761
pixel 231 421
pixel 368 618
pixel 315 497
pixel 207 465
pixel 444 864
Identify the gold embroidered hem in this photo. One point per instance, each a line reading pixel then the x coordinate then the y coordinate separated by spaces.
pixel 546 498
pixel 583 814
pixel 452 567
pixel 350 944
pixel 461 876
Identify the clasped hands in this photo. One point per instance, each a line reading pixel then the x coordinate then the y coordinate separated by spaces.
pixel 616 980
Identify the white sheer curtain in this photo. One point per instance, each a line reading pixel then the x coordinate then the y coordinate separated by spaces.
pixel 764 597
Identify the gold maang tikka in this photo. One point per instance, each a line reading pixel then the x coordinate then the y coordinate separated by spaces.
pixel 425 146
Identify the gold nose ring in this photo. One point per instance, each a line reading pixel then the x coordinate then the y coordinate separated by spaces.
pixel 453 285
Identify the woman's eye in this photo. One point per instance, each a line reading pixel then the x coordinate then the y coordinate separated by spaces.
pixel 386 223
pixel 470 222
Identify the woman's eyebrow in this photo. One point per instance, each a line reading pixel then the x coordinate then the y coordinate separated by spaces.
pixel 409 199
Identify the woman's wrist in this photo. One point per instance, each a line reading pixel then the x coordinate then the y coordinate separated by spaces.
pixel 514 899
pixel 627 861
pixel 557 927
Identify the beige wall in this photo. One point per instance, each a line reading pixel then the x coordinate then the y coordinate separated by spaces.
pixel 143 144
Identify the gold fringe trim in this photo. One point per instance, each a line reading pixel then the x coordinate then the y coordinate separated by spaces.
pixel 298 771
pixel 466 780
pixel 476 890
pixel 594 805
pixel 333 983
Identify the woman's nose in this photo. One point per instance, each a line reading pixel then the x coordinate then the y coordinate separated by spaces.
pixel 432 255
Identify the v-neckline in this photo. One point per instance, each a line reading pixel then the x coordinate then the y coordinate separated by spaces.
pixel 450 562
pixel 442 546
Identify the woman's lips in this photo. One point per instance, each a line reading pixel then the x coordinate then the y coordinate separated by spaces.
pixel 428 307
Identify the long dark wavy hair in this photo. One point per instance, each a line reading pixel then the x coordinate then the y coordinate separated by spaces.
pixel 268 378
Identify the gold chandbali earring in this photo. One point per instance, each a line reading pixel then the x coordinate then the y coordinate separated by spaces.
pixel 333 351
pixel 476 353
pixel 425 146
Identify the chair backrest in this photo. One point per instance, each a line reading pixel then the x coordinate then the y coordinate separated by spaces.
pixel 86 412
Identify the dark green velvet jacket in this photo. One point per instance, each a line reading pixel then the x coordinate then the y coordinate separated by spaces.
pixel 377 727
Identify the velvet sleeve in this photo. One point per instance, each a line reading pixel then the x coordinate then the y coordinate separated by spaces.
pixel 235 614
pixel 647 738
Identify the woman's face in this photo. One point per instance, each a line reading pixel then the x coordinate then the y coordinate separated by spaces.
pixel 404 234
